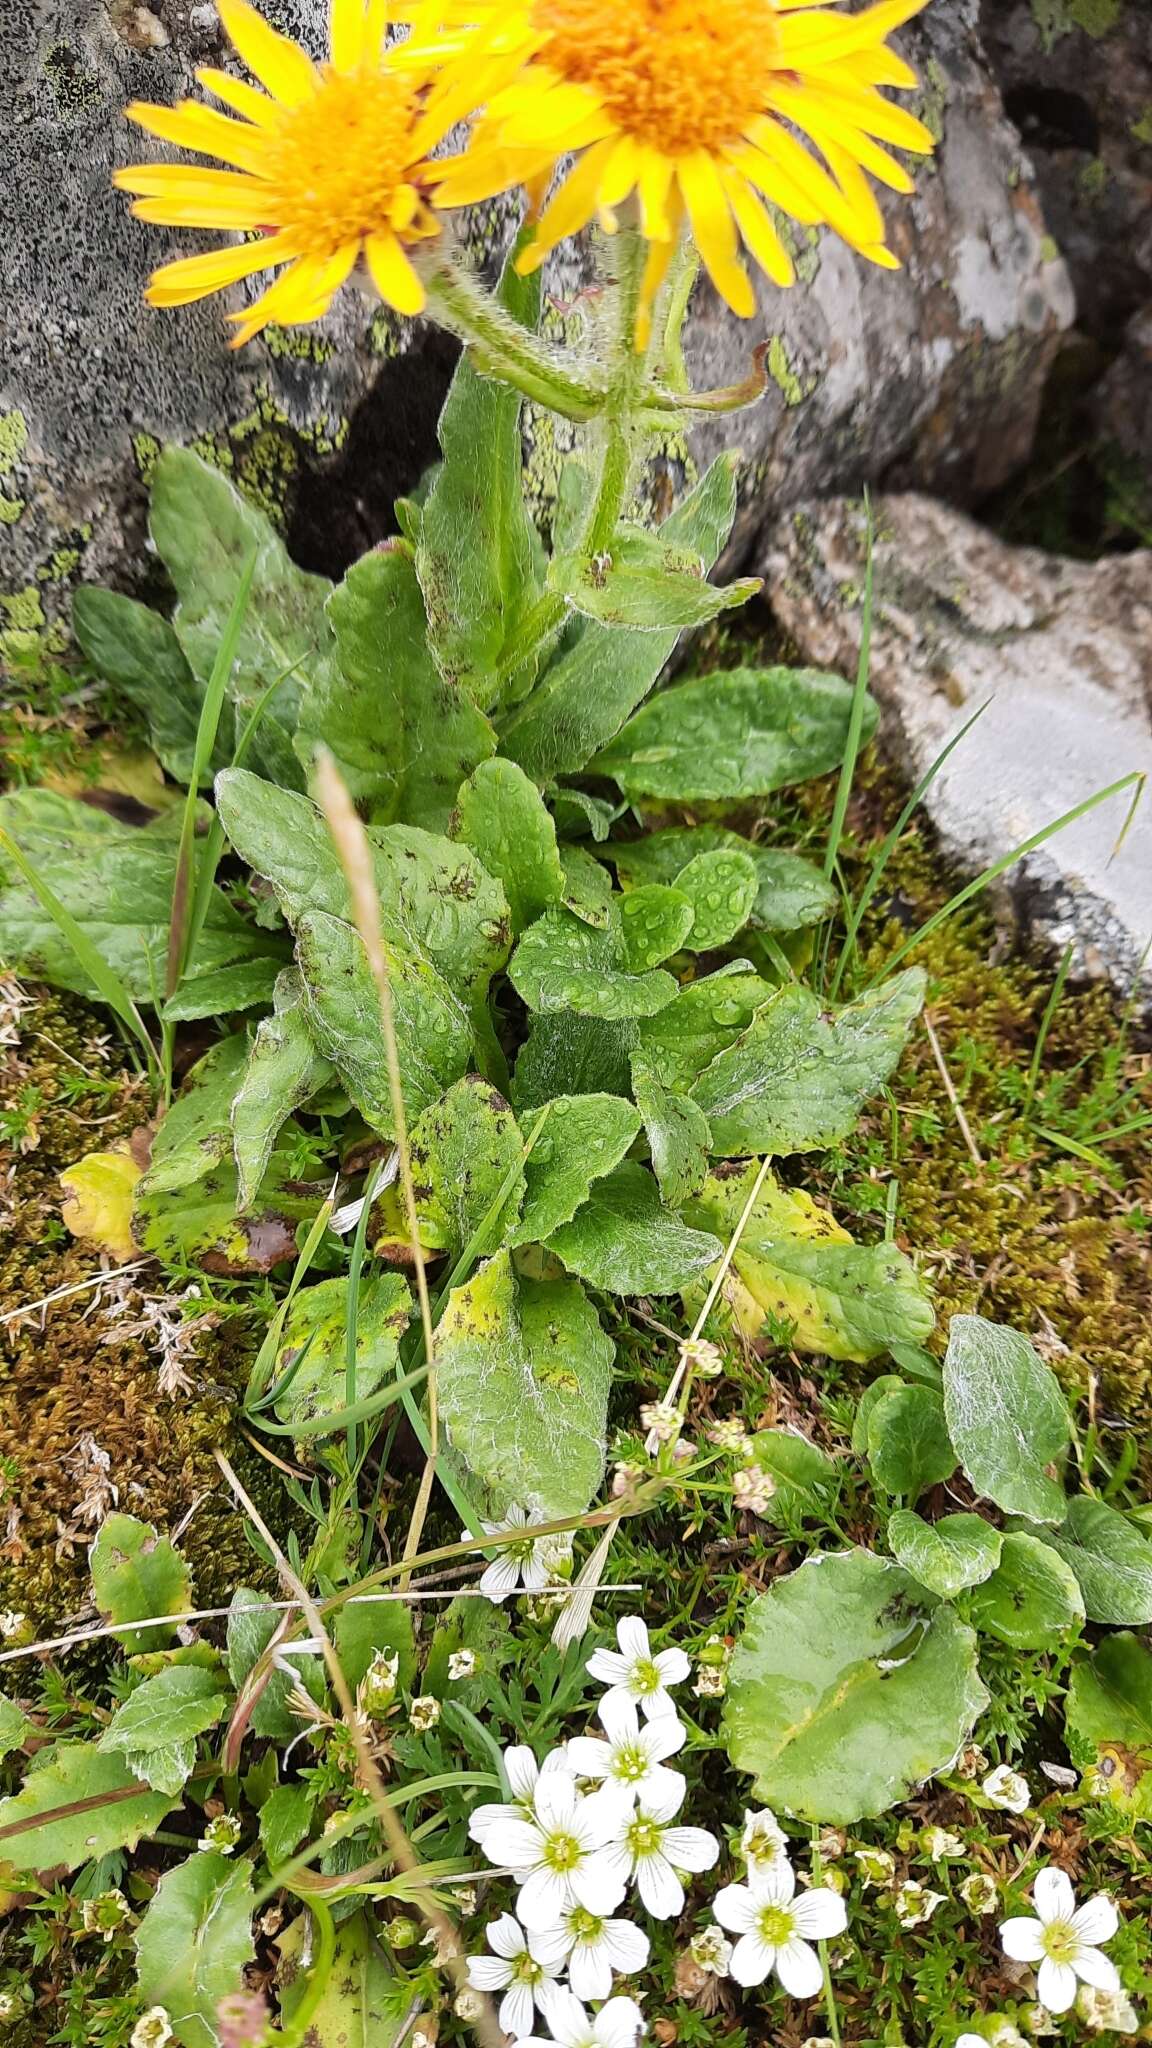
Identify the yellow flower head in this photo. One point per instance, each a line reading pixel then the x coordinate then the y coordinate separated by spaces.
pixel 329 166
pixel 704 107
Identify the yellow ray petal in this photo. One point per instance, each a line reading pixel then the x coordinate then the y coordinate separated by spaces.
pixel 874 115
pixel 715 230
pixel 194 277
pixel 281 65
pixel 192 126
pixel 858 192
pixel 346 33
pixel 812 38
pixel 782 190
pixel 827 126
pixel 393 275
pixel 881 67
pixel 655 180
pixel 243 98
pixel 620 172
pixel 571 208
pixel 174 212
pixel 560 118
pixel 782 149
pixel 758 231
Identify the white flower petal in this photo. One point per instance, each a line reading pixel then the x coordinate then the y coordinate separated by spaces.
pixel 521 1770
pixel 659 1887
pixel 550 1946
pixel 566 2016
pixel 1053 1896
pixel 556 1801
pixel 506 1936
pixel 736 1909
pixel 773 1884
pixel 618 1717
pixel 1056 1984
pixel 490 1973
pixel 819 1915
pixel 514 1842
pixel 1096 1969
pixel 1022 1939
pixel 606 1812
pixel 626 1947
pixel 589 1971
pixel 673 1666
pixel 543 1897
pixel 690 1848
pixel 798 1968
pixel 663 1788
pixel 658 1706
pixel 483 1819
pixel 517 2011
pixel 752 1959
pixel 661 1738
pixel 667 1803
pixel 600 1881
pixel 632 1636
pixel 1096 1920
pixel 618 2023
pixel 589 1757
pixel 608 1666
pixel 501 1578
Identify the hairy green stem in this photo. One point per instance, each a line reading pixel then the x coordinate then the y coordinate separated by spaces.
pixel 506 349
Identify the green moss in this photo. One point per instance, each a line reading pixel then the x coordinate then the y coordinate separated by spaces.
pixel 934 98
pixel 73 81
pixel 1092 182
pixel 146 450
pixel 23 609
pixel 13 439
pixel 11 510
pixel 298 344
pixel 784 376
pixel 1142 129
pixel 1057 18
pixel 262 453
pixel 60 566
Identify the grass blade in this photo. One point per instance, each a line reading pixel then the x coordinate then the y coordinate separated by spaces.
pixel 103 978
pixel 859 698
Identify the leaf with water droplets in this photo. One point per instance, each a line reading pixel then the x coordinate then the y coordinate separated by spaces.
pixel 582 1138
pixel 467 1167
pixel 655 921
pixel 502 816
pixel 563 964
pixel 790 892
pixel 721 887
pixel 626 1241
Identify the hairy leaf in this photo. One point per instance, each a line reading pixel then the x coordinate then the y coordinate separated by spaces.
pixel 467 1152
pixel 195 1134
pixel 678 1135
pixel 138 1576
pixel 1112 1561
pixel 564 1053
pixel 1031 1600
pixel 641 580
pixel 583 1137
pixel 849 1687
pixel 247 985
pixel 318 1320
pixel 195 1942
pixel 135 648
pixel 156 1728
pixel 1006 1417
pixel 523 1371
pixel 654 922
pixel 705 1018
pixel 797 1078
pixel 501 815
pixel 721 887
pixel 909 1448
pixel 742 732
pixel 945 1556
pixel 624 1240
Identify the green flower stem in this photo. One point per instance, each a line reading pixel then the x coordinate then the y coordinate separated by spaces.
pixel 503 348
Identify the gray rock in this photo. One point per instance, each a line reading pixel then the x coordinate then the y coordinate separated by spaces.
pixel 1056 649
pixel 939 368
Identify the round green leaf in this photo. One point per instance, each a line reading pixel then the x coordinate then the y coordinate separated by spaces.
pixel 909 1448
pixel 849 1687
pixel 1006 1417
pixel 655 921
pixel 1111 1559
pixel 945 1556
pixel 1032 1598
pixel 721 888
pixel 194 1942
pixel 625 1240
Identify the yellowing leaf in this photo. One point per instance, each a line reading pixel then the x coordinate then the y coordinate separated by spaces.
pixel 98 1195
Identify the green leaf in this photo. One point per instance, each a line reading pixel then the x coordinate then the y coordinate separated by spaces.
pixel 206 534
pixel 602 672
pixel 797 1078
pixel 908 1444
pixel 743 732
pixel 807 1482
pixel 873 1393
pixel 587 887
pixel 478 551
pixel 203 1225
pixel 437 901
pixel 317 1319
pixel 1108 1718
pixel 247 985
pixel 252 1623
pixel 580 816
pixel 790 891
pixel 705 1018
pixel 342 1005
pixel 564 1053
pixel 196 1134
pixel 563 964
pixel 136 1576
pixel 945 1556
pixel 654 922
pixel 179 1702
pixel 358 2007
pixel 1111 1560
pixel 502 816
pixel 479 1626
pixel 678 1135
pixel 795 1264
pixel 122 901
pixel 64 1775
pixel 195 1942
pixel 641 580
pixel 135 648
pixel 1006 1417
pixel 466 1149
pixel 14 1725
pixel 364 1627
pixel 848 1688
pixel 523 1369
pixel 1032 1598
pixel 284 1068
pixel 583 1137
pixel 285 1819
pixel 624 1240
pixel 403 736
pixel 722 889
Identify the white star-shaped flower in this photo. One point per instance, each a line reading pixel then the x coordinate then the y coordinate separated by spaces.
pixel 632 1672
pixel 631 1761
pixel 1064 1939
pixel 647 1850
pixel 523 1774
pixel 777 1929
pixel 560 1853
pixel 530 1563
pixel 616 2025
pixel 594 1949
pixel 517 1969
pixel 763 1842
